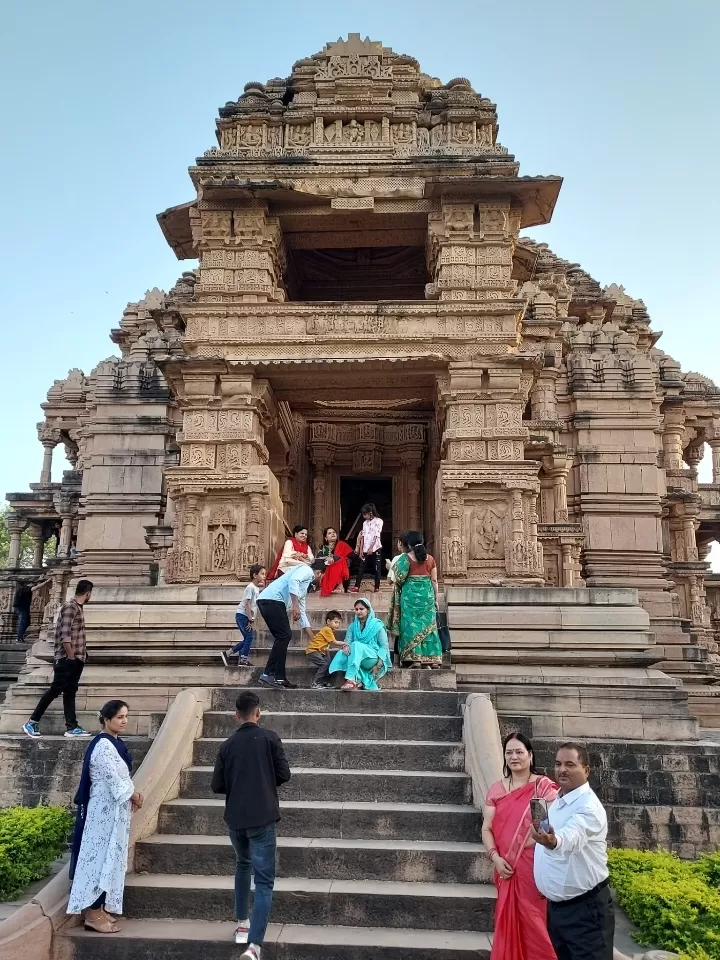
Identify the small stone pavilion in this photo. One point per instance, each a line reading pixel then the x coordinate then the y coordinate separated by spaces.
pixel 367 321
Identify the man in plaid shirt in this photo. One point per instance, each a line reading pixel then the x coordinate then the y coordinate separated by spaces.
pixel 69 659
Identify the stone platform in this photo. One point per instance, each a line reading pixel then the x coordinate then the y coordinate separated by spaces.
pixel 578 663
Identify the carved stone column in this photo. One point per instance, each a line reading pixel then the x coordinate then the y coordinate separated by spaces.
pixel 489 491
pixel 567 565
pixel 321 446
pixel 49 436
pixel 38 545
pixel 15 526
pixel 318 486
pixel 715 448
pixel 557 469
pixel 672 437
pixel 241 254
pixel 470 250
pixel 223 467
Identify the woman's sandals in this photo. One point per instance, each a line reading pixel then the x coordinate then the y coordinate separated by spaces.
pixel 351 685
pixel 102 923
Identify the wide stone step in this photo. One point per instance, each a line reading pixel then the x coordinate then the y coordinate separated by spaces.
pixel 326 818
pixel 193 939
pixel 343 725
pixel 364 903
pixel 301 672
pixel 356 754
pixel 327 783
pixel 324 858
pixel 406 702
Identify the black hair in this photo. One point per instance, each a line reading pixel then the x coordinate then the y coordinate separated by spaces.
pixel 325 532
pixel 369 508
pixel 247 703
pixel 255 569
pixel 319 565
pixel 521 738
pixel 414 540
pixel 580 749
pixel 333 615
pixel 111 709
pixel 84 586
pixel 298 527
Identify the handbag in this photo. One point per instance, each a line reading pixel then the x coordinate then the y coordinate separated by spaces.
pixel 444 632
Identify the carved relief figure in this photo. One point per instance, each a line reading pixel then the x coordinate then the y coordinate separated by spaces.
pixel 487 529
pixel 220 552
pixel 353 132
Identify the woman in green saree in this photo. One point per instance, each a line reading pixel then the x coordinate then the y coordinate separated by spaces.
pixel 364 657
pixel 413 606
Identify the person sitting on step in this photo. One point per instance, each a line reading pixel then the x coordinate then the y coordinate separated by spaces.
pixel 365 656
pixel 318 650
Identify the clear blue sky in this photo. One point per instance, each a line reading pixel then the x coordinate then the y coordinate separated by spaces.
pixel 105 105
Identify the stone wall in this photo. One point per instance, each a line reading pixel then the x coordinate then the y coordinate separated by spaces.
pixel 47 770
pixel 656 794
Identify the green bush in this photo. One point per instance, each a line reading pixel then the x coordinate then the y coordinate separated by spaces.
pixel 30 839
pixel 673 903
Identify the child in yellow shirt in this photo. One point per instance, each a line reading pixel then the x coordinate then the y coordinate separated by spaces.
pixel 322 647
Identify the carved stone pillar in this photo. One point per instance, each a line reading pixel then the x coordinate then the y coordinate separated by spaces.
pixel 470 250
pixel 38 546
pixel 318 486
pixel 567 565
pixel 715 449
pixel 557 469
pixel 49 436
pixel 488 489
pixel 672 437
pixel 223 467
pixel 15 526
pixel 241 254
pixel 694 454
pixel 321 446
pixel 411 459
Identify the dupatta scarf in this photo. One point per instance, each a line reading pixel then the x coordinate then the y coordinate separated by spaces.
pixel 82 797
pixel 298 547
pixel 338 571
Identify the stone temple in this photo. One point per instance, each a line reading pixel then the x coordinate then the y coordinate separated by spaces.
pixel 368 321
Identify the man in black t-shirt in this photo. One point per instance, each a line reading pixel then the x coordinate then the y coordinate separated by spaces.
pixel 251 765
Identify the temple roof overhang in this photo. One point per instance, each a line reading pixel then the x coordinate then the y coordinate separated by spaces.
pixel 536 195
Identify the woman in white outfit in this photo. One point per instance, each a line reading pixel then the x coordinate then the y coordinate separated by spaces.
pixel 106 798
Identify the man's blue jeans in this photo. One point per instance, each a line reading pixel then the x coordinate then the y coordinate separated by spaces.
pixel 254 849
pixel 248 634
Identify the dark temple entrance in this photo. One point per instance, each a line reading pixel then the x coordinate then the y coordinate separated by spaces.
pixel 354 492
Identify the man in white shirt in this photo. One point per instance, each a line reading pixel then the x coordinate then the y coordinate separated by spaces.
pixel 571 863
pixel 286 595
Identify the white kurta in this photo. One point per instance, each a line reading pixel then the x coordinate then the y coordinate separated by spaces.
pixel 102 861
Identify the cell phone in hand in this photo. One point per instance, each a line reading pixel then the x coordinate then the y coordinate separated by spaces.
pixel 539 813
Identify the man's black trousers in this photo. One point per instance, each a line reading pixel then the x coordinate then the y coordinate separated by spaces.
pixel 274 613
pixel 583 928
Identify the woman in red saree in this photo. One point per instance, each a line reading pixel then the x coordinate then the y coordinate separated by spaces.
pixel 335 553
pixel 521 911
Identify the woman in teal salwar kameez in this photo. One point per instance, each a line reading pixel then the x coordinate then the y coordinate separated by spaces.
pixel 413 606
pixel 365 656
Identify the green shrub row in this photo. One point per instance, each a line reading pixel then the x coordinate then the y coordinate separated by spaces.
pixel 675 904
pixel 31 838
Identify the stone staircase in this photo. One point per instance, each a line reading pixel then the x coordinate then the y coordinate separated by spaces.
pixel 378 852
pixel 12 660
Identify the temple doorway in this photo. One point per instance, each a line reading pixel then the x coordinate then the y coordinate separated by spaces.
pixel 354 492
